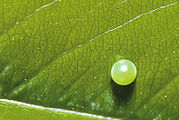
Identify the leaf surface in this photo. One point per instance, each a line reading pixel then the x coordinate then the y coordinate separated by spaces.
pixel 59 54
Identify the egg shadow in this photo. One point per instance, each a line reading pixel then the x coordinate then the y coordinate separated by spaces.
pixel 122 93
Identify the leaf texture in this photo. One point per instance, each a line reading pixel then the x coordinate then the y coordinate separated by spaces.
pixel 59 54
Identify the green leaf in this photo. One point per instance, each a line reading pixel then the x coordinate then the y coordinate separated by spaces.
pixel 12 110
pixel 59 54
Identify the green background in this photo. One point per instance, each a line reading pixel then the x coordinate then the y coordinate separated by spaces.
pixel 59 54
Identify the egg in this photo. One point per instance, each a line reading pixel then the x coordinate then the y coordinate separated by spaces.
pixel 123 72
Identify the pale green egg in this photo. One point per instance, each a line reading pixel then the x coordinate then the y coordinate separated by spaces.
pixel 123 72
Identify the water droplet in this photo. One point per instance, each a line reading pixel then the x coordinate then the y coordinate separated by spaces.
pixel 17 22
pixel 25 79
pixel 94 77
